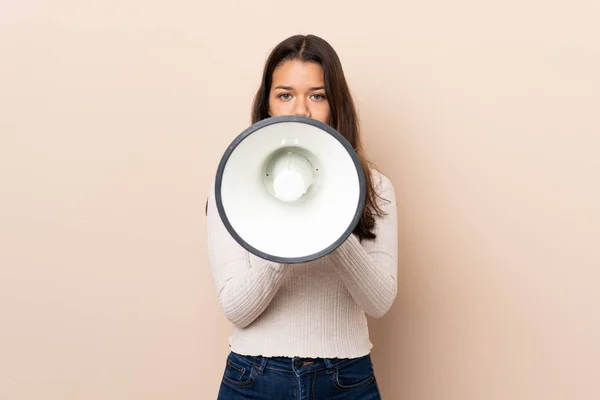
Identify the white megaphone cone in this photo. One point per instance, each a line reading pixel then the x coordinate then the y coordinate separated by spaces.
pixel 290 189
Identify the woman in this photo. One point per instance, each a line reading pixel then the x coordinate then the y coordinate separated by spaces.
pixel 300 331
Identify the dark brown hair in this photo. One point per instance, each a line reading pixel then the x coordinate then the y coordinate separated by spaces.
pixel 343 116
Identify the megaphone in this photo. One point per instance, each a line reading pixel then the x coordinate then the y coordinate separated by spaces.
pixel 290 189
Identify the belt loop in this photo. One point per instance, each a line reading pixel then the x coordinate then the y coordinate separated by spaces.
pixel 328 363
pixel 263 364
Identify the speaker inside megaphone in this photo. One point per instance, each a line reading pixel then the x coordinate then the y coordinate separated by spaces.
pixel 290 189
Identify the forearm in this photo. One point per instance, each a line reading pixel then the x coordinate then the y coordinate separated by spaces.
pixel 245 296
pixel 367 276
pixel 244 284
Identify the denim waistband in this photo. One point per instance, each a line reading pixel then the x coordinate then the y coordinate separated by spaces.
pixel 293 364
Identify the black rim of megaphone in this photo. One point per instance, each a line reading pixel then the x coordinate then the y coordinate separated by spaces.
pixel 275 120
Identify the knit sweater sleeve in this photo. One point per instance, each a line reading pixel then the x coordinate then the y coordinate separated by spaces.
pixel 368 268
pixel 245 286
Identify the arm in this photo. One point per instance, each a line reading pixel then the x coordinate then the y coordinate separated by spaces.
pixel 244 289
pixel 369 269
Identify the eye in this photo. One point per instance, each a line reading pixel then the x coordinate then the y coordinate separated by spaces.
pixel 318 96
pixel 285 96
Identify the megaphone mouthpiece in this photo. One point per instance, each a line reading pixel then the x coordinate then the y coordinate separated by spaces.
pixel 290 174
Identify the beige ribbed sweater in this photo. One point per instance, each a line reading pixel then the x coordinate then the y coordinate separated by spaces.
pixel 315 309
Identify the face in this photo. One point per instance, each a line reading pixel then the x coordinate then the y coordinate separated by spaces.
pixel 298 89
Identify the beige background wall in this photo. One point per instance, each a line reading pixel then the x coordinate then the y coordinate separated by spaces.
pixel 113 116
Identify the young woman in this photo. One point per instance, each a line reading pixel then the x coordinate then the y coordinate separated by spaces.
pixel 300 331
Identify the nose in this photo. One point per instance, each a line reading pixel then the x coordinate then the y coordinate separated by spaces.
pixel 300 108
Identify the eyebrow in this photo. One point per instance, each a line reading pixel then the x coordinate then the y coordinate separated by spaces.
pixel 284 87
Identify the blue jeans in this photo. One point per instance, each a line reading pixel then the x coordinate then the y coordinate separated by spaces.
pixel 283 378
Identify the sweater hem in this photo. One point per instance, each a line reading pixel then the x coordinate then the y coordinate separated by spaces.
pixel 303 353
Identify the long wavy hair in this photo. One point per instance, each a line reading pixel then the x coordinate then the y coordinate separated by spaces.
pixel 343 116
